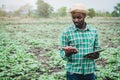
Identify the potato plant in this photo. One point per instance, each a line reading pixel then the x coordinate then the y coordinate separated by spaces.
pixel 29 48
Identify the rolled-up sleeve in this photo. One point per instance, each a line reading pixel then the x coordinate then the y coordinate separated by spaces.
pixel 64 43
pixel 96 43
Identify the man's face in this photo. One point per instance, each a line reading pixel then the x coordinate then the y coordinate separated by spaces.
pixel 78 18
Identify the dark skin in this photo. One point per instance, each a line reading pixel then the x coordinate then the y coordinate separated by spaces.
pixel 79 21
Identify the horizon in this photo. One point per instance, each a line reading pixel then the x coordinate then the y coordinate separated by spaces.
pixel 96 5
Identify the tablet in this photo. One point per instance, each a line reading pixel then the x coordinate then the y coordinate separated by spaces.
pixel 93 53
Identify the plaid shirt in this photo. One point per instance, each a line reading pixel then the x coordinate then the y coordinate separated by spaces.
pixel 85 41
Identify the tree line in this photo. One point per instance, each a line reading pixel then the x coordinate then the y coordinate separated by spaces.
pixel 46 10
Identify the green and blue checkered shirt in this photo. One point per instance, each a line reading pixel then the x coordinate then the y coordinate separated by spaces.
pixel 85 41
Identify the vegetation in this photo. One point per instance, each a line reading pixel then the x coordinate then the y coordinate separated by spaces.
pixel 62 11
pixel 2 12
pixel 91 13
pixel 29 48
pixel 116 11
pixel 30 42
pixel 26 10
pixel 45 10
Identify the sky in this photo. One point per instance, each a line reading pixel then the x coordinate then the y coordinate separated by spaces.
pixel 98 5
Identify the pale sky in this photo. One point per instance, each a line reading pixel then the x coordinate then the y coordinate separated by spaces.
pixel 99 5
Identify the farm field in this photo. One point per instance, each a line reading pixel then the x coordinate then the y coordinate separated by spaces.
pixel 29 48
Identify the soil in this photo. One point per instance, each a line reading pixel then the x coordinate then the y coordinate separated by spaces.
pixel 101 62
pixel 39 50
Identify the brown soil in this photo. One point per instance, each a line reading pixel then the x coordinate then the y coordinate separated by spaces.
pixel 101 62
pixel 37 51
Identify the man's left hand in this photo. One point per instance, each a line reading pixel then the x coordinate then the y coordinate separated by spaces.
pixel 95 55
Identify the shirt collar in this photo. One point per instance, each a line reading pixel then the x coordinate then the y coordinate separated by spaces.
pixel 77 29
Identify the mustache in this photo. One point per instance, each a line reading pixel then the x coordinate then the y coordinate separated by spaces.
pixel 79 24
pixel 76 23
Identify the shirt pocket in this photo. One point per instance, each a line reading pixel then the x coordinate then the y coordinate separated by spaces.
pixel 71 39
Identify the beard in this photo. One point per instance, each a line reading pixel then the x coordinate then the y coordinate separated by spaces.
pixel 79 24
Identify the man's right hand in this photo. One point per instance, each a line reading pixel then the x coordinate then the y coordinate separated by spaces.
pixel 69 50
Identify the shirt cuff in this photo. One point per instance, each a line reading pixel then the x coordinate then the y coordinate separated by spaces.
pixel 62 54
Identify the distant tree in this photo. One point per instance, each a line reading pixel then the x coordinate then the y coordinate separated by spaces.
pixel 91 12
pixel 62 11
pixel 17 12
pixel 116 12
pixel 24 10
pixel 108 14
pixel 103 14
pixel 43 9
pixel 2 11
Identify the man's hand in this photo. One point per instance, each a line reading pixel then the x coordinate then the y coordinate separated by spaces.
pixel 95 55
pixel 69 50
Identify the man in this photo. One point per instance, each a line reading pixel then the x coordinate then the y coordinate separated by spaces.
pixel 78 40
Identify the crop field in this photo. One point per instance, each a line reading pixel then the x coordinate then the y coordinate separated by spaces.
pixel 29 48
